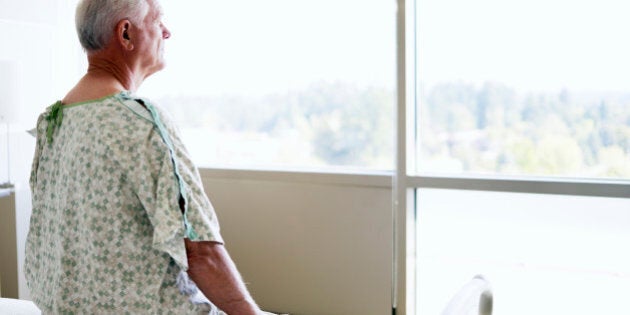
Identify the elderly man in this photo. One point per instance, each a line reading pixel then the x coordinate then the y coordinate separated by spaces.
pixel 120 222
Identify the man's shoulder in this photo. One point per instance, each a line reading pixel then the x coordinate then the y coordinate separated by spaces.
pixel 137 105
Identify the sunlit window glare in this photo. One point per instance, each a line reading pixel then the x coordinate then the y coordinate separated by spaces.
pixel 524 88
pixel 307 84
pixel 541 254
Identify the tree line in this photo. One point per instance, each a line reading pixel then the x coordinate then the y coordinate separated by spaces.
pixel 488 128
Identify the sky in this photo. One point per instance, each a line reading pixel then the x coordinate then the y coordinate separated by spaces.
pixel 257 47
pixel 535 44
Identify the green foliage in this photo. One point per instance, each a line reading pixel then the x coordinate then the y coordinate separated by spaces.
pixel 344 124
pixel 561 134
pixel 463 128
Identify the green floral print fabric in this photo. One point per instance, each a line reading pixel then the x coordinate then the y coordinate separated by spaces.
pixel 114 194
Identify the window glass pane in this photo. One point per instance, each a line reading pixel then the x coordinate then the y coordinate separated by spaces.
pixel 541 254
pixel 281 83
pixel 523 87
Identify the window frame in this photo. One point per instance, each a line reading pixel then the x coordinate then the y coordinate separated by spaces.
pixel 406 182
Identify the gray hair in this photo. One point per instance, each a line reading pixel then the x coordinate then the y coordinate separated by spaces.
pixel 96 19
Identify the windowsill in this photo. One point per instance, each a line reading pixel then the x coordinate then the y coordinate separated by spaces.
pixel 344 177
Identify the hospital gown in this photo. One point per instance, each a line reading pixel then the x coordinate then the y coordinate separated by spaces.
pixel 108 181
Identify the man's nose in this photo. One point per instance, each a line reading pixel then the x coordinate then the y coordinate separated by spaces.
pixel 165 32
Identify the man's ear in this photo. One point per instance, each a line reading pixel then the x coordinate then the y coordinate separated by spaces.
pixel 123 34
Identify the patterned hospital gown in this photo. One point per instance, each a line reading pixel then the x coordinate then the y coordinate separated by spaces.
pixel 107 232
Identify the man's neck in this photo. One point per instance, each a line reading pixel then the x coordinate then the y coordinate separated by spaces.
pixel 113 73
pixel 110 70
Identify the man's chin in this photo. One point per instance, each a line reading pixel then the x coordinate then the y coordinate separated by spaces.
pixel 155 69
pixel 161 65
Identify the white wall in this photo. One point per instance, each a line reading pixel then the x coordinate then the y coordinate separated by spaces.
pixel 38 39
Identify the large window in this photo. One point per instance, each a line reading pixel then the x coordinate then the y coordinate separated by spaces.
pixel 281 83
pixel 523 88
pixel 514 155
pixel 541 254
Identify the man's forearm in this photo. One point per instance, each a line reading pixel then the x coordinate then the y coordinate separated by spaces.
pixel 214 272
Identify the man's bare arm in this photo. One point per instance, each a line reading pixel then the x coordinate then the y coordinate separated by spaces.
pixel 214 272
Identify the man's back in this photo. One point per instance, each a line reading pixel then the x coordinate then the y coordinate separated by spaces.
pixel 106 232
